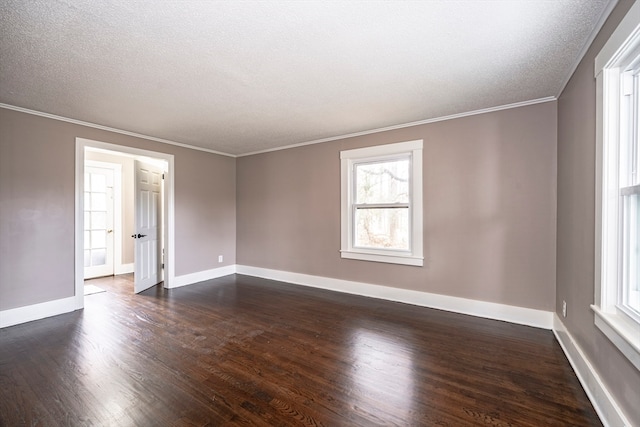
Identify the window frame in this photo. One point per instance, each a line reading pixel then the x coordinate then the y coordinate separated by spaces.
pixel 620 53
pixel 348 160
pixel 629 184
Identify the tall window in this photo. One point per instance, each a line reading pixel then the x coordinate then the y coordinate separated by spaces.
pixel 629 191
pixel 617 299
pixel 382 203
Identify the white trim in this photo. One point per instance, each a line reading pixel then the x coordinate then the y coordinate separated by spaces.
pixel 79 226
pixel 508 313
pixel 348 159
pixel 605 405
pixel 406 125
pixel 624 334
pixel 123 268
pixel 606 191
pixel 110 129
pixel 29 313
pixel 619 40
pixel 286 147
pixel 39 311
pixel 104 165
pixel 117 219
pixel 169 209
pixel 587 44
pixel 390 259
pixel 201 276
pixel 382 150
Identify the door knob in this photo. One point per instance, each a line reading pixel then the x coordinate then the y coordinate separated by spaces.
pixel 138 236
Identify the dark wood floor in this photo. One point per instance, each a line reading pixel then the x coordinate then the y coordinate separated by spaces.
pixel 245 351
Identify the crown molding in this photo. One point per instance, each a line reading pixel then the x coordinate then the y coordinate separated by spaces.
pixel 286 147
pixel 110 129
pixel 410 124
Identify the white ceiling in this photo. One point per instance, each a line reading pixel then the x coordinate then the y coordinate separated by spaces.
pixel 239 77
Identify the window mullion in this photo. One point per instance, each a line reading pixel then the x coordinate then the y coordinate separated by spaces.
pixel 630 190
pixel 381 205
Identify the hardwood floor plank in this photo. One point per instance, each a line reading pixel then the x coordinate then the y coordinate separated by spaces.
pixel 240 351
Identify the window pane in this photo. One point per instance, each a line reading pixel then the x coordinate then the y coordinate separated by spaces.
pixel 98 257
pixel 87 201
pixel 631 252
pixel 87 182
pixel 386 182
pixel 87 220
pixel 87 258
pixel 98 182
pixel 99 201
pixel 382 228
pixel 98 220
pixel 98 239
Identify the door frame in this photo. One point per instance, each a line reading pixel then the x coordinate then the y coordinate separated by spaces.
pixel 168 222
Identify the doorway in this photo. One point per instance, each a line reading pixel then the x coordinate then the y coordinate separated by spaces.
pixel 127 257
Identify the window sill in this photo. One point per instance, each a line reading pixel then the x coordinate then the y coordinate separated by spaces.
pixel 624 334
pixel 391 259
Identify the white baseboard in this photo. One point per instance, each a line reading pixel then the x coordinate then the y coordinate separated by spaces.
pixel 33 312
pixel 608 410
pixel 508 313
pixel 201 276
pixel 519 315
pixel 123 268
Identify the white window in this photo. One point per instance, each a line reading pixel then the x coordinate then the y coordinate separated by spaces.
pixel 617 299
pixel 382 203
pixel 629 192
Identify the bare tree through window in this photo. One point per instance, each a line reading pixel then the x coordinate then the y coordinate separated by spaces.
pixel 382 204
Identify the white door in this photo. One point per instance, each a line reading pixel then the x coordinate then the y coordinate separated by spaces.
pixel 148 194
pixel 98 222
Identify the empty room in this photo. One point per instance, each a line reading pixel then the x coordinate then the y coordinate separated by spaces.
pixel 320 213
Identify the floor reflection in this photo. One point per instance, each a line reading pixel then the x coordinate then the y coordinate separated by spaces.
pixel 383 375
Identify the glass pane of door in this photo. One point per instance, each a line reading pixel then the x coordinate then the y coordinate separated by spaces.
pixel 95 219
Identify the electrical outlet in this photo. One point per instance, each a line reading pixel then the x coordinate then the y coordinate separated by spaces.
pixel 220 258
pixel 564 308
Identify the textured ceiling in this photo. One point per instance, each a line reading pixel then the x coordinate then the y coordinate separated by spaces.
pixel 240 77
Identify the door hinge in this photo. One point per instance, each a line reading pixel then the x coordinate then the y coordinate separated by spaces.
pixel 162 265
pixel 162 176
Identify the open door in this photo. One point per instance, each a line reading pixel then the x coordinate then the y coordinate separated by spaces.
pixel 148 202
pixel 98 222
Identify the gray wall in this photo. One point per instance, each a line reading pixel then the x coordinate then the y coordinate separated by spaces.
pixel 37 167
pixel 489 209
pixel 576 226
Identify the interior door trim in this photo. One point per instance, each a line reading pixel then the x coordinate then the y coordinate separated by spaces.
pixel 169 209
